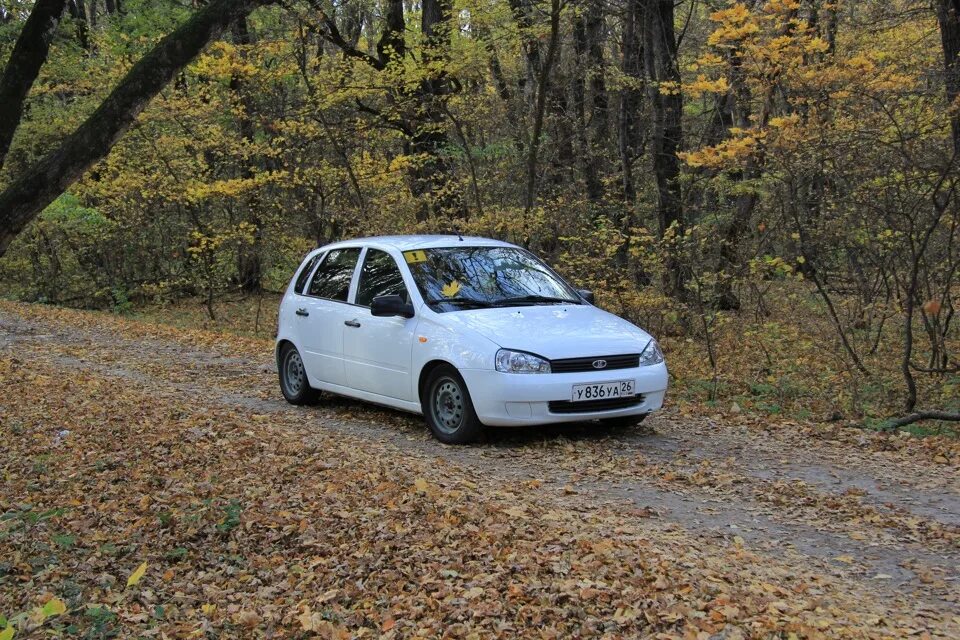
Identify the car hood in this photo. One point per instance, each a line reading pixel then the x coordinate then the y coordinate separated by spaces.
pixel 553 331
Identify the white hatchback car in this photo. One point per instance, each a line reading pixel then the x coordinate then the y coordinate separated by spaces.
pixel 467 331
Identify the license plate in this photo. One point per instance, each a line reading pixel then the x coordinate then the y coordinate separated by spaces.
pixel 602 390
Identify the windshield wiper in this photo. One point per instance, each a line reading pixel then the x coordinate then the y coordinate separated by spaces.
pixel 534 299
pixel 463 302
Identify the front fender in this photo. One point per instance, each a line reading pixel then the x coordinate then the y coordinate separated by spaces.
pixel 461 347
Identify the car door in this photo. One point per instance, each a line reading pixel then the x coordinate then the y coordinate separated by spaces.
pixel 377 350
pixel 292 321
pixel 324 310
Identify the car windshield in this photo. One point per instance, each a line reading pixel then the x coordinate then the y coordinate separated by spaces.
pixel 456 278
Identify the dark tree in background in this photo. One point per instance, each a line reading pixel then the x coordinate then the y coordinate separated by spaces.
pixel 666 101
pixel 29 54
pixel 28 195
pixel 948 16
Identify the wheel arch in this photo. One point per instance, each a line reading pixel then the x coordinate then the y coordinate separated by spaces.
pixel 425 371
pixel 281 343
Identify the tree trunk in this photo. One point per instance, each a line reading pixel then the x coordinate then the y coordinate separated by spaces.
pixel 78 11
pixel 741 108
pixel 666 101
pixel 599 125
pixel 522 14
pixel 433 174
pixel 44 182
pixel 392 44
pixel 566 130
pixel 629 140
pixel 249 256
pixel 948 17
pixel 29 54
pixel 542 87
pixel 584 68
pixel 92 14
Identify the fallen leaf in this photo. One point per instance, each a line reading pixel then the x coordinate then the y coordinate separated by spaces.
pixel 248 619
pixel 473 593
pixel 54 607
pixel 137 575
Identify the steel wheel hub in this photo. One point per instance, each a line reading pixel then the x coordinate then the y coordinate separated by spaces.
pixel 294 374
pixel 448 405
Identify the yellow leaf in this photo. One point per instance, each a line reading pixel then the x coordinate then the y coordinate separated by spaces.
pixel 208 609
pixel 8 633
pixel 137 575
pixel 451 289
pixel 421 484
pixel 54 607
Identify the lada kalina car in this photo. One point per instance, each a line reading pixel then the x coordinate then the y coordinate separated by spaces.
pixel 469 332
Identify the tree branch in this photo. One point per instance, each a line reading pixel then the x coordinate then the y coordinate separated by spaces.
pixel 29 54
pixel 921 415
pixel 332 34
pixel 92 141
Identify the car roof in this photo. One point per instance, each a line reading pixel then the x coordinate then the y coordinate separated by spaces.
pixel 405 243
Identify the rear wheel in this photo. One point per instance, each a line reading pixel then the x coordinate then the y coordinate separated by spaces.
pixel 448 409
pixel 293 377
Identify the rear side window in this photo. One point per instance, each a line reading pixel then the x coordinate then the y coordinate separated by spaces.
pixel 379 276
pixel 333 276
pixel 305 273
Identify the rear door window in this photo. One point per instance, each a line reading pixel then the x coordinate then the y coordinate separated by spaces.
pixel 333 276
pixel 305 273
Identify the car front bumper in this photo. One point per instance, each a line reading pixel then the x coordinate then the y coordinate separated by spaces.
pixel 516 399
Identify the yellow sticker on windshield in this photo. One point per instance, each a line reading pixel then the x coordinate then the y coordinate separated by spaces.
pixel 413 257
pixel 451 289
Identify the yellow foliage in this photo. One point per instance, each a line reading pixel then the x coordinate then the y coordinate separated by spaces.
pixel 731 152
pixel 705 85
pixel 668 87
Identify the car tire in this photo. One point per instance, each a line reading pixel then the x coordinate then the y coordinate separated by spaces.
pixel 294 384
pixel 448 409
pixel 623 422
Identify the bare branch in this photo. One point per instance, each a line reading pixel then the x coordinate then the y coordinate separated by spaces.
pixel 921 415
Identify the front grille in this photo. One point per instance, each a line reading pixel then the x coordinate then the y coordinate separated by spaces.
pixel 587 406
pixel 570 365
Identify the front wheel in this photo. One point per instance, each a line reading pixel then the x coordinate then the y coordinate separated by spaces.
pixel 293 377
pixel 448 409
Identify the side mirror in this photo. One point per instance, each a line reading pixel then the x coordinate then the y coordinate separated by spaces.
pixel 387 306
pixel 586 294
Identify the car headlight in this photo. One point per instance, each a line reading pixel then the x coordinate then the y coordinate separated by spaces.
pixel 651 354
pixel 519 362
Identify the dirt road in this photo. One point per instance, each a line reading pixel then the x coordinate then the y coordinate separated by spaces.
pixel 875 518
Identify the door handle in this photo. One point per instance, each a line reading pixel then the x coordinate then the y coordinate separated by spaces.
pixel 351 323
pixel 302 312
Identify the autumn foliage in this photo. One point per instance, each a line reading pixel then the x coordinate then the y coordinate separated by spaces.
pixel 800 247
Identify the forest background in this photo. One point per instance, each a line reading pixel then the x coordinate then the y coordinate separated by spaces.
pixel 768 186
